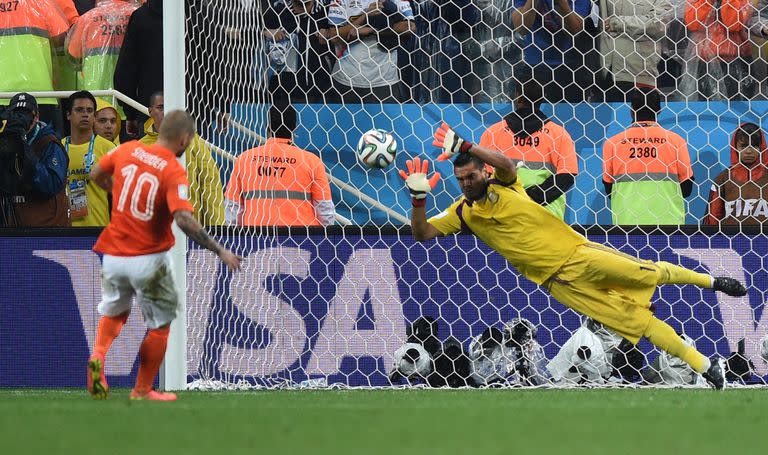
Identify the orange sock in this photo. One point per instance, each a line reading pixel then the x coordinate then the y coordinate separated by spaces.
pixel 151 356
pixel 109 329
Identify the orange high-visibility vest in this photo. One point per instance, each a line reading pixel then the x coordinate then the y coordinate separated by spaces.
pixel 646 164
pixel 277 184
pixel 26 28
pixel 546 152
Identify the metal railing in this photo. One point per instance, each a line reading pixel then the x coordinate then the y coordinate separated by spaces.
pixel 221 152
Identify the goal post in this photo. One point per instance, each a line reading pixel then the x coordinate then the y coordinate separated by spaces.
pixel 173 372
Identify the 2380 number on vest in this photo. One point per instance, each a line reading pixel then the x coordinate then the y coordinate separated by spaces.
pixel 642 152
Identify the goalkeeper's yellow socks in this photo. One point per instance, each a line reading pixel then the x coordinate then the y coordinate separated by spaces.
pixel 674 274
pixel 151 356
pixel 664 337
pixel 109 329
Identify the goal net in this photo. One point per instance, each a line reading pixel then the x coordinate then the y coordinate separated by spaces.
pixel 336 306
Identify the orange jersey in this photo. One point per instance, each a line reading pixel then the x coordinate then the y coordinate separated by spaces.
pixel 551 148
pixel 646 152
pixel 277 184
pixel 149 186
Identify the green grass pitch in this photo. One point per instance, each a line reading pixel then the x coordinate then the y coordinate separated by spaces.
pixel 648 422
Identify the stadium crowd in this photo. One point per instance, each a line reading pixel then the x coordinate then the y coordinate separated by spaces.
pixel 342 51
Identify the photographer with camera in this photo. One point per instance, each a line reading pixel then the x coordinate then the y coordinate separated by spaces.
pixel 33 168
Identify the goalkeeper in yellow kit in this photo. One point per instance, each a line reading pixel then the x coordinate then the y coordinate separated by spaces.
pixel 602 283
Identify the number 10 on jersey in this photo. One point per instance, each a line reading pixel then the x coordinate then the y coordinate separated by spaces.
pixel 149 196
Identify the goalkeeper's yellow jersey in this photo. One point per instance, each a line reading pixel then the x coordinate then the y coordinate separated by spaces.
pixel 530 237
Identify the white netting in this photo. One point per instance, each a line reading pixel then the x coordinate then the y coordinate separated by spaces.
pixel 317 307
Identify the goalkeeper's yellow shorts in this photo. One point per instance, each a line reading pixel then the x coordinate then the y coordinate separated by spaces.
pixel 609 286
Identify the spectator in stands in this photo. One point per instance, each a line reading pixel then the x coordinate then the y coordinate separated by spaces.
pixel 442 50
pixel 739 194
pixel 719 55
pixel 64 70
pixel 223 43
pixel 758 22
pixel 548 28
pixel 300 58
pixel 87 201
pixel 496 51
pixel 647 169
pixel 543 150
pixel 632 33
pixel 42 201
pixel 139 68
pixel 278 184
pixel 107 122
pixel 95 41
pixel 366 35
pixel 205 189
pixel 672 50
pixel 29 32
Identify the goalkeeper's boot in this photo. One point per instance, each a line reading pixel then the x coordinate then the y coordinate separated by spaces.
pixel 152 395
pixel 715 375
pixel 729 286
pixel 97 380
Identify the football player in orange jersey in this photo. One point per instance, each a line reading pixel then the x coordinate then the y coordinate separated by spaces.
pixel 150 191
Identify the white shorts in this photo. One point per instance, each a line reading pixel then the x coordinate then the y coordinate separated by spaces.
pixel 147 277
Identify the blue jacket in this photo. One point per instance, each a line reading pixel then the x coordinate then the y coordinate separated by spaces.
pixel 50 174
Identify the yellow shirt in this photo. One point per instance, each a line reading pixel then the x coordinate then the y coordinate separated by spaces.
pixel 536 242
pixel 205 189
pixel 98 207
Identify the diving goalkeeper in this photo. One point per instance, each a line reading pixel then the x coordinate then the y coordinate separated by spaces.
pixel 602 283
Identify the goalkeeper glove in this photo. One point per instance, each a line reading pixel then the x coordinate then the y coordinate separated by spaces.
pixel 417 182
pixel 450 142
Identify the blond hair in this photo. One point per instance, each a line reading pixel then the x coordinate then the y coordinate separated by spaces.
pixel 175 124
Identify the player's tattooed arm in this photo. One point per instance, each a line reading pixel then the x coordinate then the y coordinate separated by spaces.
pixel 190 226
pixel 195 231
pixel 202 238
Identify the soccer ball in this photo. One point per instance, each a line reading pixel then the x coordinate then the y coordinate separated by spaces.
pixel 376 148
pixel 413 360
pixel 764 348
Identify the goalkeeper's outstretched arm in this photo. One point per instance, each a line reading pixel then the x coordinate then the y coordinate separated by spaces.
pixel 503 165
pixel 419 186
pixel 422 230
pixel 452 144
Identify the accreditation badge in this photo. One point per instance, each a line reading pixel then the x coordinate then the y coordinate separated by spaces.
pixel 78 200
